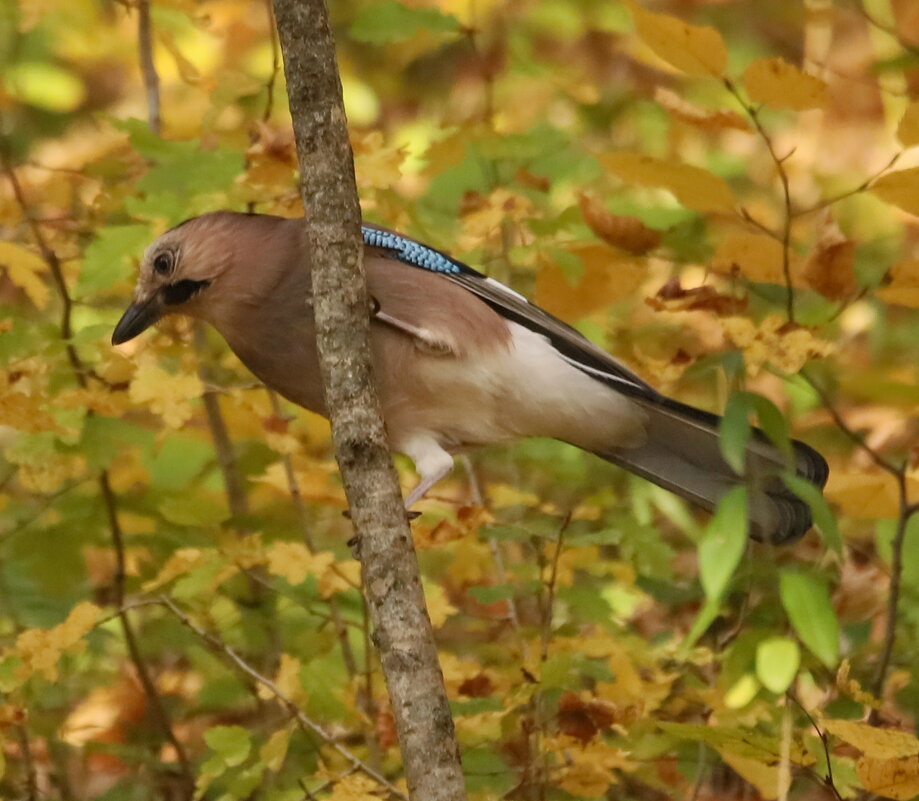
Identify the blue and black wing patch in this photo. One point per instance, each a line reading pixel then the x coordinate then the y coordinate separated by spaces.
pixel 411 252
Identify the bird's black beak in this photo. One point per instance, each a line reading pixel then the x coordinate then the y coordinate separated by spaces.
pixel 138 317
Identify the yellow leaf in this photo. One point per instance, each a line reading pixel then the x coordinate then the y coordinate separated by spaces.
pixel 168 395
pixel 900 189
pixel 765 778
pixel 788 347
pixel 693 187
pixel 863 495
pixel 890 778
pixel 294 561
pixel 40 649
pixel 272 753
pixel 607 277
pixel 853 688
pixel 777 83
pixel 903 284
pixel 340 577
pixel 377 166
pixel 694 49
pixel 587 770
pixel 24 269
pixel 287 681
pixel 23 412
pixel 439 607
pixel 177 565
pixel 758 258
pixel 355 787
pixel 872 741
pixel 908 130
pixel 504 495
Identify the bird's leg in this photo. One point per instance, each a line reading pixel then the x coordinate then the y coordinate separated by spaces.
pixel 431 461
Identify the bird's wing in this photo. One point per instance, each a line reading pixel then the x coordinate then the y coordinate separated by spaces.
pixel 573 346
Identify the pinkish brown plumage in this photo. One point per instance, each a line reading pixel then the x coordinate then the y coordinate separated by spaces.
pixel 459 362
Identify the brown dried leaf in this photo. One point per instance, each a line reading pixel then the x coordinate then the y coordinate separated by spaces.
pixel 707 119
pixel 583 719
pixel 626 233
pixel 830 270
pixel 673 297
pixel 479 686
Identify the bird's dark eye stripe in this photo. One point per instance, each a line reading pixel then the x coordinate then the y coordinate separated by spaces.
pixel 182 291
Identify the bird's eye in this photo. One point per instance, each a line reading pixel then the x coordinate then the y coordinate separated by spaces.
pixel 162 264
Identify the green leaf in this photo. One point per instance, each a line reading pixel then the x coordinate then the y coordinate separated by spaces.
pixel 45 86
pixel 389 21
pixel 178 461
pixel 735 431
pixel 723 543
pixel 823 515
pixel 777 662
pixel 197 510
pixel 807 602
pixel 107 260
pixel 232 743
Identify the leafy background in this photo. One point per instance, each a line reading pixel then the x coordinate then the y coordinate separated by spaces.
pixel 178 604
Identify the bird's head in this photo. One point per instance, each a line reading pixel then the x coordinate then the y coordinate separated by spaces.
pixel 177 273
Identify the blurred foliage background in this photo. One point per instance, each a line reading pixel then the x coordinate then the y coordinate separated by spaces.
pixel 723 197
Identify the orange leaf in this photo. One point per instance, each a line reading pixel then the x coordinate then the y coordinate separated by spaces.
pixel 626 233
pixel 607 278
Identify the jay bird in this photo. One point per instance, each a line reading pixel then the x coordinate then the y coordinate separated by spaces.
pixel 460 360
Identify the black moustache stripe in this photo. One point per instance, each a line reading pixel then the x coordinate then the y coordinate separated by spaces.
pixel 182 291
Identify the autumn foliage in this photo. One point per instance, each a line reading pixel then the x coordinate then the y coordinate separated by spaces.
pixel 724 195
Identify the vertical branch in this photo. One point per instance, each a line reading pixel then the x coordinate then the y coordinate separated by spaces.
pixel 147 67
pixel 237 499
pixel 402 628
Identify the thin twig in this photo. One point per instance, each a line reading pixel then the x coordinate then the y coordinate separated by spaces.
pixel 753 113
pixel 226 457
pixel 275 62
pixel 54 265
pixel 863 186
pixel 306 723
pixel 28 762
pixel 478 498
pixel 827 781
pixel 907 510
pixel 550 589
pixel 140 665
pixel 147 65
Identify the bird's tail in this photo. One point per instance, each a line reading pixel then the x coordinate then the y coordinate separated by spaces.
pixel 682 455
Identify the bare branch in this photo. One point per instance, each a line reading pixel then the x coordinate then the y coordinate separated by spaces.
pixel 306 723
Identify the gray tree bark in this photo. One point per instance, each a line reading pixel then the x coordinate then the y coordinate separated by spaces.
pixel 402 629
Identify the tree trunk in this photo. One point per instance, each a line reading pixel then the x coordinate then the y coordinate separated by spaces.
pixel 402 629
